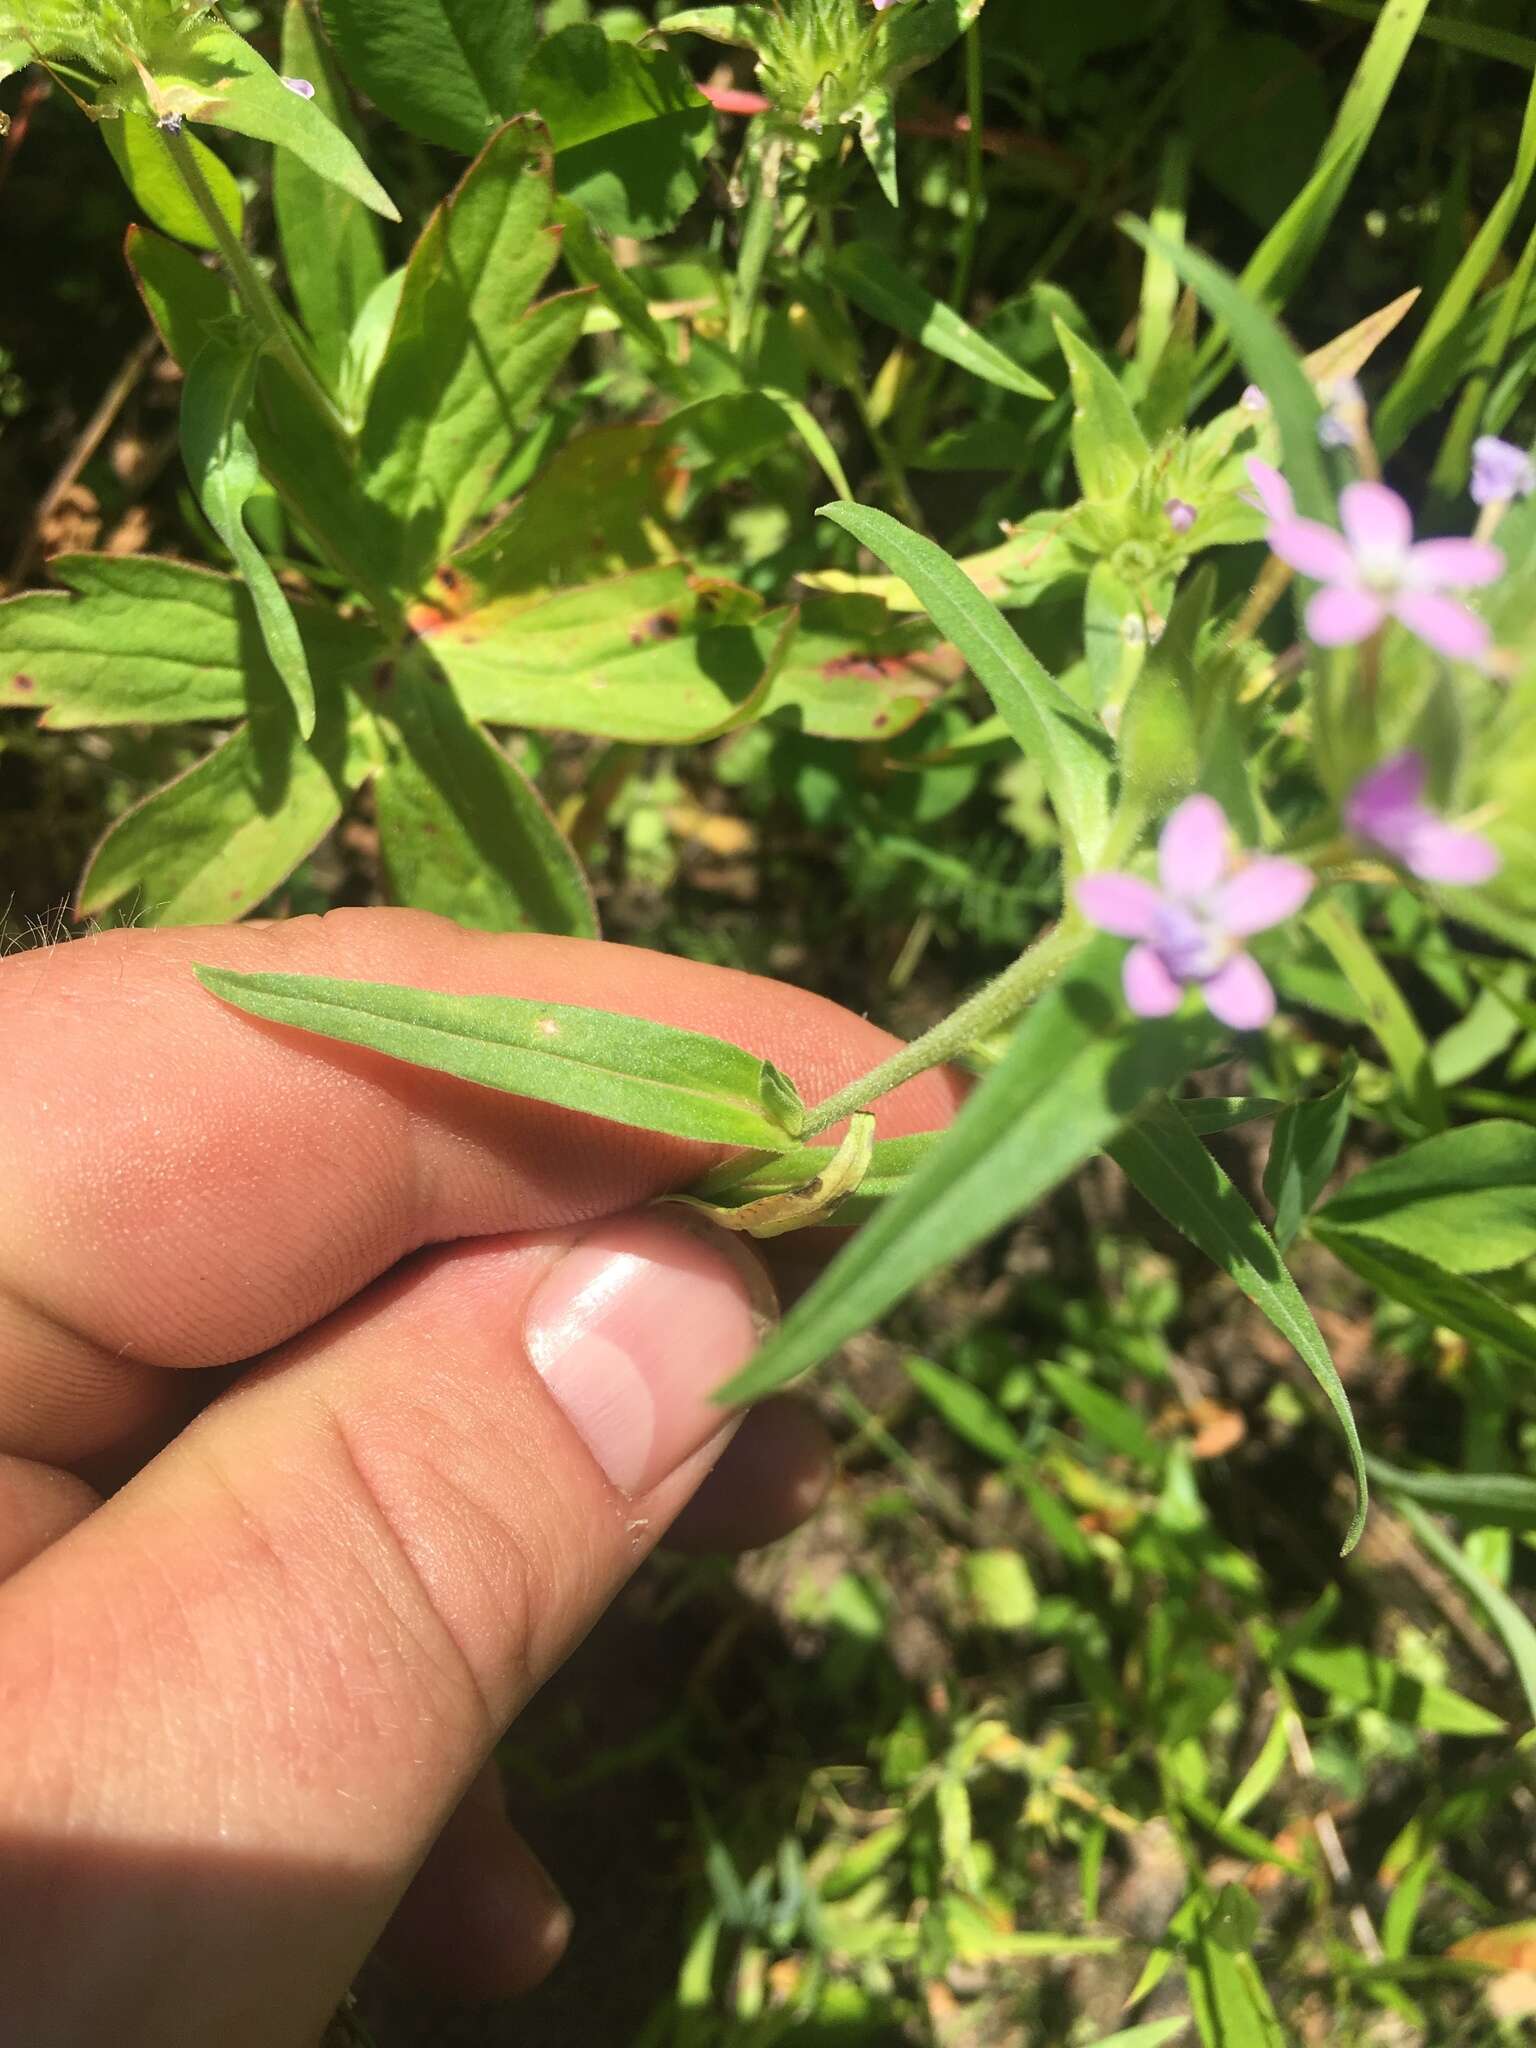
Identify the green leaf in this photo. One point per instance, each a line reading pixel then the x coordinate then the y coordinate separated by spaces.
pixel 1351 1673
pixel 448 70
pixel 855 673
pixel 1231 2007
pixel 1304 1152
pixel 893 1162
pixel 888 292
pixel 151 642
pixel 1484 1500
pixel 462 831
pixel 636 658
pixel 591 261
pixel 211 845
pixel 629 1070
pixel 1463 1305
pixel 743 28
pixel 1383 1007
pixel 973 1416
pixel 222 463
pixel 1074 1070
pixel 630 129
pixel 1074 756
pixel 877 133
pixel 468 357
pixel 1463 1199
pixel 1154 2034
pixel 1102 1414
pixel 332 250
pixel 249 97
pixel 1108 446
pixel 1268 358
pixel 1515 1631
pixel 911 37
pixel 149 171
pixel 1167 1164
pixel 1001 1590
pixel 184 300
pixel 1206 1114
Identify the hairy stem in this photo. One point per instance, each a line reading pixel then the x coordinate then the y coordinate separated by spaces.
pixel 988 1010
pixel 255 294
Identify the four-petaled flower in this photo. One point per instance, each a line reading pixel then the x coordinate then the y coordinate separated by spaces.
pixel 1500 471
pixel 1190 931
pixel 1387 808
pixel 1374 570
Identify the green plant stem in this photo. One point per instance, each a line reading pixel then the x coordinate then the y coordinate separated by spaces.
pixel 890 468
pixel 988 1010
pixel 254 292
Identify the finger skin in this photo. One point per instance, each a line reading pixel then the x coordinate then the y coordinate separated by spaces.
pixel 183 1186
pixel 38 1505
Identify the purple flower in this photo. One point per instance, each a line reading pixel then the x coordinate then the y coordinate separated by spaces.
pixel 1180 514
pixel 1190 931
pixel 1389 810
pixel 1253 399
pixel 301 86
pixel 1374 570
pixel 1500 471
pixel 1343 411
pixel 1271 493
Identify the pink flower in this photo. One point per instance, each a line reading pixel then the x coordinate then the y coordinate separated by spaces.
pixel 1388 809
pixel 1500 471
pixel 1180 514
pixel 1271 493
pixel 1190 931
pixel 1374 571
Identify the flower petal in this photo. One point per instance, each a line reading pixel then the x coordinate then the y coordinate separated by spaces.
pixel 1122 904
pixel 1192 853
pixel 1461 564
pixel 1270 490
pixel 1262 893
pixel 1376 520
pixel 1443 624
pixel 1343 613
pixel 1149 988
pixel 1500 471
pixel 1316 550
pixel 1392 793
pixel 1439 853
pixel 1239 994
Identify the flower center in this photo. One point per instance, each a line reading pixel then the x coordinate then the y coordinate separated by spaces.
pixel 1188 942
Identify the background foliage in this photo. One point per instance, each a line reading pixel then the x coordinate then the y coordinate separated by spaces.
pixel 1064 1722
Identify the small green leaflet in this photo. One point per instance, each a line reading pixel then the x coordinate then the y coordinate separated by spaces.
pixel 1074 755
pixel 1465 1305
pixel 1108 446
pixel 887 292
pixel 630 1070
pixel 1304 1152
pixel 1269 360
pixel 1167 1163
pixel 1464 1199
pixel 149 171
pixel 221 461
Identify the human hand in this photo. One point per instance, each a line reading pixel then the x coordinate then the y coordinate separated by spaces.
pixel 462 1378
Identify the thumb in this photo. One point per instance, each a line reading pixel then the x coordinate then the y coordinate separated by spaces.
pixel 242 1698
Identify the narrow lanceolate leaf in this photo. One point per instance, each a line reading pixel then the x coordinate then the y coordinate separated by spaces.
pixel 1074 1071
pixel 879 284
pixel 1073 754
pixel 1167 1163
pixel 331 245
pixel 211 845
pixel 1269 360
pixel 222 463
pixel 462 831
pixel 250 98
pixel 891 1165
pixel 1484 1500
pixel 629 1070
pixel 140 641
pixel 1463 1199
pixel 1108 446
pixel 1514 1629
pixel 469 355
pixel 448 70
pixel 1462 1304
pixel 1304 1152
pixel 877 132
pixel 149 171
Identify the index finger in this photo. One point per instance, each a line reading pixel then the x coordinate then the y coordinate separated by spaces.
pixel 182 1186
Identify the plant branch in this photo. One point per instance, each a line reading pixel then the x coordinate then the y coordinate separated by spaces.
pixel 988 1010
